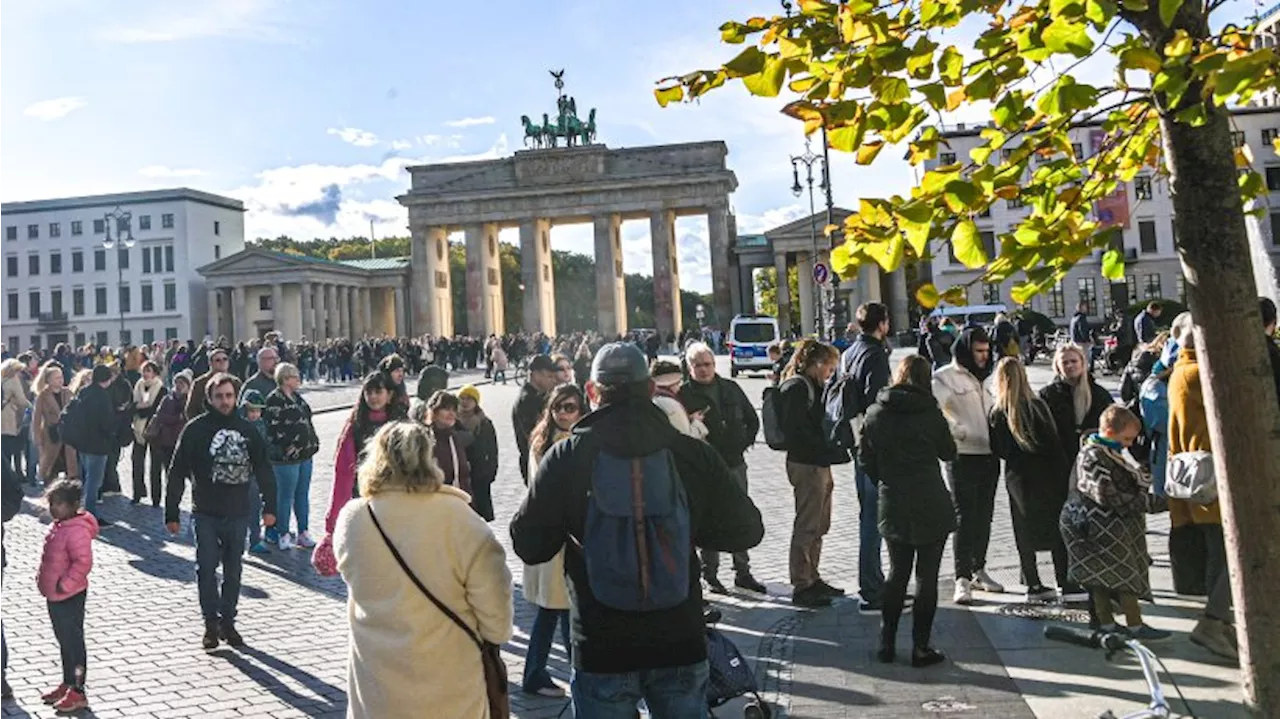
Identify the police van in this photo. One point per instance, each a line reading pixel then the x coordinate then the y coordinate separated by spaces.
pixel 749 340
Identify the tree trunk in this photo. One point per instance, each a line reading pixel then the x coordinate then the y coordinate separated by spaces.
pixel 1239 391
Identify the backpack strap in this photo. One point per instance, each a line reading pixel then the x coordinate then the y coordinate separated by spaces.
pixel 421 587
pixel 637 510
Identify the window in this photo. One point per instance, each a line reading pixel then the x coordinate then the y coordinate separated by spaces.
pixel 264 302
pixel 99 260
pixel 1147 236
pixel 33 232
pixel 11 266
pixel 99 227
pixel 122 256
pixel 126 337
pixel 33 298
pixel 1151 287
pixel 1182 289
pixel 55 263
pixel 1015 203
pixel 125 299
pixel 100 337
pixel 100 302
pixel 170 296
pixel 1107 304
pixel 168 257
pixel 146 261
pixel 11 232
pixel 77 227
pixel 33 265
pixel 171 333
pixel 144 222
pixel 1131 280
pixel 77 301
pixel 217 226
pixel 1088 294
pixel 1057 303
pixel 1237 138
pixel 1078 150
pixel 1273 178
pixel 990 293
pixel 35 342
pixel 148 336
pixel 988 244
pixel 1142 187
pixel 1269 134
pixel 148 299
pixel 55 302
pixel 122 224
pixel 217 252
pixel 12 306
pixel 77 261
pixel 14 341
pixel 166 221
pixel 55 229
pixel 944 158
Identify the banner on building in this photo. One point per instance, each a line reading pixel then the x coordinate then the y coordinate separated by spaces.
pixel 1114 208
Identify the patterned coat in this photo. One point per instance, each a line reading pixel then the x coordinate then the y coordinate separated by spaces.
pixel 1104 524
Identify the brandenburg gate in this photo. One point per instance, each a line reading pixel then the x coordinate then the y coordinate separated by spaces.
pixel 549 185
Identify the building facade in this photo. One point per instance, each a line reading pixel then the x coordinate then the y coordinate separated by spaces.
pixel 63 284
pixel 1143 208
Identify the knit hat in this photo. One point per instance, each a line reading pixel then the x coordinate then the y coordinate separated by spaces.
pixel 391 362
pixel 253 399
pixel 184 375
pixel 666 374
pixel 469 390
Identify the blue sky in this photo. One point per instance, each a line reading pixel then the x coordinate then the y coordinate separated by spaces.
pixel 308 111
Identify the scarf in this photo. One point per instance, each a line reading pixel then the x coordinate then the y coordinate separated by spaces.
pixel 470 421
pixel 1081 397
pixel 144 394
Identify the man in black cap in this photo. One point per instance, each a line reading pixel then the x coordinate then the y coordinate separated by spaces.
pixel 636 634
pixel 533 397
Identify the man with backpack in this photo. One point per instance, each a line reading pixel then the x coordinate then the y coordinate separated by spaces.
pixel 732 425
pixel 863 372
pixel 636 602
pixel 89 424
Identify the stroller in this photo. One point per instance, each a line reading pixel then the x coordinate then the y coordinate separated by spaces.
pixel 731 675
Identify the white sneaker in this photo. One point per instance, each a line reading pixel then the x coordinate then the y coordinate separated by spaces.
pixel 305 541
pixel 964 593
pixel 286 541
pixel 984 583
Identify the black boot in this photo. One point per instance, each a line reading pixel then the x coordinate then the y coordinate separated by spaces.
pixel 210 640
pixel 888 637
pixel 926 656
pixel 227 631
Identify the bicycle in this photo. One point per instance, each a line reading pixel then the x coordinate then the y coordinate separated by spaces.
pixel 1114 642
pixel 521 371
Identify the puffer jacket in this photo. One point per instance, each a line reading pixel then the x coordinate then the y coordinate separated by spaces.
pixel 67 558
pixel 15 404
pixel 290 435
pixel 965 402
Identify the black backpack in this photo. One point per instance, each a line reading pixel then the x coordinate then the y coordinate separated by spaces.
pixel 71 425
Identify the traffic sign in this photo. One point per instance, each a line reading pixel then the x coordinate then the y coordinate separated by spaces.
pixel 821 273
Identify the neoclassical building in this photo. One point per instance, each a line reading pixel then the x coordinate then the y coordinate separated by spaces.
pixel 256 291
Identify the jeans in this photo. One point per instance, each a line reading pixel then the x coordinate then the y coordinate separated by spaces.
pixel 669 693
pixel 540 638
pixel 928 560
pixel 293 494
pixel 67 618
pixel 13 449
pixel 974 479
pixel 255 513
pixel 93 468
pixel 219 540
pixel 870 568
pixel 741 561
pixel 812 487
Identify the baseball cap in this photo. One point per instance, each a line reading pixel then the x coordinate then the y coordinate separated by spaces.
pixel 541 363
pixel 619 363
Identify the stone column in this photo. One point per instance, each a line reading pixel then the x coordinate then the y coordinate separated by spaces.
pixel 899 316
pixel 211 315
pixel 611 291
pixel 484 281
pixel 535 273
pixel 718 226
pixel 366 311
pixel 277 308
pixel 736 300
pixel 398 324
pixel 305 316
pixel 239 323
pixel 666 277
pixel 784 294
pixel 804 272
pixel 331 311
pixel 316 301
pixel 344 312
pixel 354 331
pixel 430 283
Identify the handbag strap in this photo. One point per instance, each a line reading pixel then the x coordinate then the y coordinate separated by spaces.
pixel 421 587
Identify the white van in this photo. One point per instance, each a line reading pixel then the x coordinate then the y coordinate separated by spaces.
pixel 749 340
pixel 984 315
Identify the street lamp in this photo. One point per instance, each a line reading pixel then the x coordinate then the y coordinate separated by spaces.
pixel 808 160
pixel 123 222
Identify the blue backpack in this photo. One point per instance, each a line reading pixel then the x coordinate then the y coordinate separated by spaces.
pixel 638 540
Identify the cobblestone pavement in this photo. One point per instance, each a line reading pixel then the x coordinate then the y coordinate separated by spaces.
pixel 143 619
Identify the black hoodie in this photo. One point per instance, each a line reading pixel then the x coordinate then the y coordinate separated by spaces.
pixel 722 517
pixel 962 352
pixel 220 453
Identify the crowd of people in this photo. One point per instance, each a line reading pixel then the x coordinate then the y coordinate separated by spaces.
pixel 637 481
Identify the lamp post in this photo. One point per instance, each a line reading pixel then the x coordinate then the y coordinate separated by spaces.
pixel 123 222
pixel 808 160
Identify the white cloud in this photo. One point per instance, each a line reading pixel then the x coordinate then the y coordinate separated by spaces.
pixel 401 144
pixel 208 18
pixel 161 171
pixel 354 136
pixel 54 109
pixel 751 224
pixel 471 122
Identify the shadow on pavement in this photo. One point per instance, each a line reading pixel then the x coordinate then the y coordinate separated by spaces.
pixel 328 700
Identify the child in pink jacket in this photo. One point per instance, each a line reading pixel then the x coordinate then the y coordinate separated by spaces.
pixel 64 582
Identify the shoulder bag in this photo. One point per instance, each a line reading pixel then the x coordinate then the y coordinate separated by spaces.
pixel 495 670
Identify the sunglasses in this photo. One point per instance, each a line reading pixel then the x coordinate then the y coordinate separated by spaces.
pixel 567 408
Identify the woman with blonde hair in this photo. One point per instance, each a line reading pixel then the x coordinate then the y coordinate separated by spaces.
pixel 15 404
pixel 1036 475
pixel 51 397
pixel 1075 400
pixel 409 534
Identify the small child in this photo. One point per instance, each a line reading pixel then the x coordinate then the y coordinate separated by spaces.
pixel 1105 526
pixel 64 582
pixel 251 406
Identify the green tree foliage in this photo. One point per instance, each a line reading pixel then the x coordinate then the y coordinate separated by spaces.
pixel 350 248
pixel 873 73
pixel 766 281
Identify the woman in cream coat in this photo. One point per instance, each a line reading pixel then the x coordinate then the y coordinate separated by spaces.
pixel 407 659
pixel 51 398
